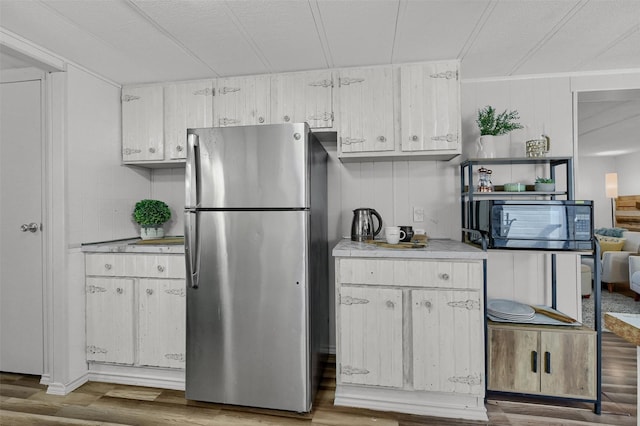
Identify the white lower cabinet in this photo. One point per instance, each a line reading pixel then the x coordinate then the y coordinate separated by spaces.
pixel 410 336
pixel 136 318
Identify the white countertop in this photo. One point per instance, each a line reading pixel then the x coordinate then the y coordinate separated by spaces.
pixel 130 246
pixel 435 249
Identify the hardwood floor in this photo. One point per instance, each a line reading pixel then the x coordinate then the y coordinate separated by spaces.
pixel 23 401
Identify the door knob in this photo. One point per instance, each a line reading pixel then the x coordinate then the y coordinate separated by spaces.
pixel 32 227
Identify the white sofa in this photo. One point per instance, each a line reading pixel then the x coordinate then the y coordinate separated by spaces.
pixel 634 274
pixel 615 264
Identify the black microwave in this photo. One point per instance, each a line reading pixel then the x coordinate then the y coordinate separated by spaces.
pixel 538 225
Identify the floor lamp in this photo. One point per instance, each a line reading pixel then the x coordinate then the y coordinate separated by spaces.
pixel 611 189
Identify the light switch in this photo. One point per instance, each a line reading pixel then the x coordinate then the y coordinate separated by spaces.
pixel 418 214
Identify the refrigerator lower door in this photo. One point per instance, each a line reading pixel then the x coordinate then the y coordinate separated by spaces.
pixel 247 321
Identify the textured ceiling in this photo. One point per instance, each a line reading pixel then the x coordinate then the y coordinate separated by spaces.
pixel 134 41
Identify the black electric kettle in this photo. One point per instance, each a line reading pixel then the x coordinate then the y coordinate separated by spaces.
pixel 362 224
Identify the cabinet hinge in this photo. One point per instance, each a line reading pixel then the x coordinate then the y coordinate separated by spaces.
pixel 175 357
pixel 96 350
pixel 348 300
pixel 130 151
pixel 449 137
pixel 205 92
pixel 470 380
pixel 347 81
pixel 226 90
pixel 350 141
pixel 175 292
pixel 325 116
pixel 445 74
pixel 322 83
pixel 95 289
pixel 129 98
pixel 348 370
pixel 467 304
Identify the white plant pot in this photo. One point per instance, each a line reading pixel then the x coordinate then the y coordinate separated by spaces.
pixel 545 187
pixel 151 233
pixel 494 146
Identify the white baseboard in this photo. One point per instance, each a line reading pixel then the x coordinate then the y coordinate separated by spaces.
pixel 45 379
pixel 64 389
pixel 435 404
pixel 137 376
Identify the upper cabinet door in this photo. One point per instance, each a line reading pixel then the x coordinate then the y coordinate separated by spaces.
pixel 365 102
pixel 302 97
pixel 242 101
pixel 430 106
pixel 187 105
pixel 142 124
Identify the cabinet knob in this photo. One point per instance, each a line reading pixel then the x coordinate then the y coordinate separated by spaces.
pixel 160 268
pixel 119 290
pixel 390 304
pixel 444 276
pixel 152 150
pixel 426 304
pixel 149 291
pixel 287 118
pixel 414 138
pixel 382 139
pixel 260 119
pixel 179 148
pixel 107 266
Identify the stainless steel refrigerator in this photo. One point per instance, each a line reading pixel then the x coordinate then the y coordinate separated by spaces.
pixel 257 265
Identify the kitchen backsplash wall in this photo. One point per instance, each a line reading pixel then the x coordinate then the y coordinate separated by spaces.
pixel 168 185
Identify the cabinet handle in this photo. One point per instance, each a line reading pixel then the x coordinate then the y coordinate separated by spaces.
pixel 534 361
pixel 160 268
pixel 260 119
pixel 119 290
pixel 414 138
pixel 287 118
pixel 149 291
pixel 547 362
pixel 107 266
pixel 179 148
pixel 444 276
pixel 382 139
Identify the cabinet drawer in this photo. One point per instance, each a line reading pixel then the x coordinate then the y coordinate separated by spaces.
pixel 412 273
pixel 135 265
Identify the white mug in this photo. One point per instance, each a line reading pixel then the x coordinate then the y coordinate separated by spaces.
pixel 394 234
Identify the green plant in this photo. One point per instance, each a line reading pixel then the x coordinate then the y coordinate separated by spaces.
pixel 496 125
pixel 151 213
pixel 544 180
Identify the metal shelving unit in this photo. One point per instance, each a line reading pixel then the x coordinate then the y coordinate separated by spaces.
pixel 468 194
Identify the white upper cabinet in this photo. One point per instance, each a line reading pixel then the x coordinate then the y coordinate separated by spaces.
pixel 430 107
pixel 187 105
pixel 142 124
pixel 242 101
pixel 365 105
pixel 303 97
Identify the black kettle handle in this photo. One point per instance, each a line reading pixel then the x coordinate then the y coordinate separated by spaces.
pixel 376 214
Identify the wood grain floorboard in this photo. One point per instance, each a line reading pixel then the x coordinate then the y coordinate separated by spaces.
pixel 24 401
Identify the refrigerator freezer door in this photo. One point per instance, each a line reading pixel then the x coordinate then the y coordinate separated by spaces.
pixel 247 338
pixel 249 167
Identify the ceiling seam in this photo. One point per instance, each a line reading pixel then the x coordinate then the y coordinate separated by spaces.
pixel 321 32
pixel 613 123
pixel 473 35
pixel 167 34
pixel 617 40
pixel 550 34
pixel 252 43
pixel 402 4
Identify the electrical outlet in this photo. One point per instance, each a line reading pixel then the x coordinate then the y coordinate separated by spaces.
pixel 418 214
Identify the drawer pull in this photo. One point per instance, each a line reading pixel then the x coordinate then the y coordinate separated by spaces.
pixel 149 291
pixel 444 276
pixel 119 290
pixel 160 268
pixel 107 266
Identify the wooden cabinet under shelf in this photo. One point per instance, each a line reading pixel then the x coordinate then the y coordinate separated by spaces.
pixel 542 360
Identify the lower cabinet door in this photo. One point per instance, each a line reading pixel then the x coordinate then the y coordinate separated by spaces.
pixel 370 341
pixel 448 343
pixel 568 364
pixel 110 322
pixel 162 323
pixel 514 360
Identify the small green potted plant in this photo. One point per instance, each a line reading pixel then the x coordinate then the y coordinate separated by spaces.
pixel 545 184
pixel 492 124
pixel 151 216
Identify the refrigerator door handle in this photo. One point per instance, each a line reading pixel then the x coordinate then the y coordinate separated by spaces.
pixel 191 172
pixel 192 254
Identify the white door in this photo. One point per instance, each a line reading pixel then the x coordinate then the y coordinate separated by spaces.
pixel 21 309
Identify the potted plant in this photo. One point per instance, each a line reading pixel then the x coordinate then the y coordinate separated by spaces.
pixel 492 124
pixel 545 184
pixel 151 216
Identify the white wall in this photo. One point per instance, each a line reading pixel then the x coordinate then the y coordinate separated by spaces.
pixel 168 185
